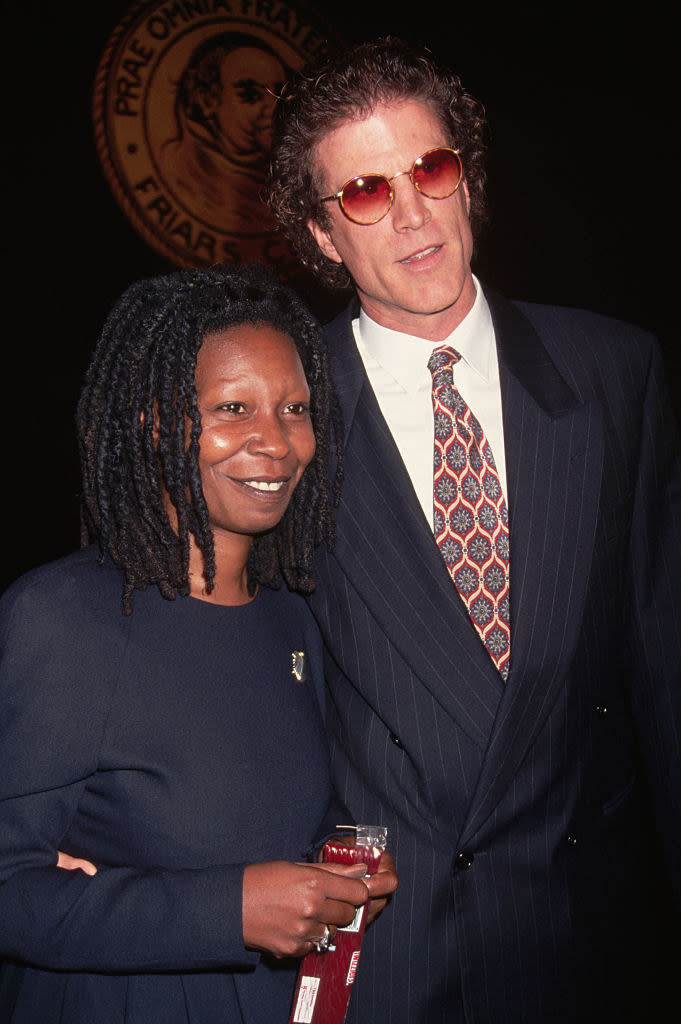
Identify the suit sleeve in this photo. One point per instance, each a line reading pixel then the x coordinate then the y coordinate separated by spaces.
pixel 336 811
pixel 54 700
pixel 656 636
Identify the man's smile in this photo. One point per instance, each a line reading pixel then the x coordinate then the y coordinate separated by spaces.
pixel 421 254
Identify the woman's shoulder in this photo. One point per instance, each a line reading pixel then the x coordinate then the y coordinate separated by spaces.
pixel 79 584
pixel 287 605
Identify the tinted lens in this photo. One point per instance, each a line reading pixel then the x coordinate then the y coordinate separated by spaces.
pixel 365 200
pixel 437 174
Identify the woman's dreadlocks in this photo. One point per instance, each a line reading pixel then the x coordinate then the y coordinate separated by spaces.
pixel 139 428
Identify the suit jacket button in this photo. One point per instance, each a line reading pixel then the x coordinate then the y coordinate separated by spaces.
pixel 396 740
pixel 464 859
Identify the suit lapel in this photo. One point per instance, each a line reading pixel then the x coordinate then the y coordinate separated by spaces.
pixel 554 452
pixel 385 547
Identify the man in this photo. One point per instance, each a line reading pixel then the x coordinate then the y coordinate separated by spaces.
pixel 528 768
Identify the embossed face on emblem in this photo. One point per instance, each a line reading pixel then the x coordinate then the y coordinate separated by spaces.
pixel 298 665
pixel 215 160
pixel 182 111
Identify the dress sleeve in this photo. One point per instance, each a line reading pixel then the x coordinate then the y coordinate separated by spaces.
pixel 54 700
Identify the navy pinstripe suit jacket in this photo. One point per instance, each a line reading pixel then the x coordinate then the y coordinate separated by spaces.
pixel 536 826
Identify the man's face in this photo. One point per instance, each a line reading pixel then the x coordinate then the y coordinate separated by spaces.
pixel 411 269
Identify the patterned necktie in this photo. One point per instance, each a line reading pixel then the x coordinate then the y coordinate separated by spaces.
pixel 470 517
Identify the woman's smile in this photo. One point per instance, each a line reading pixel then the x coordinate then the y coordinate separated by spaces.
pixel 256 432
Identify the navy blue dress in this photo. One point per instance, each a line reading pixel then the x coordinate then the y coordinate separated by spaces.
pixel 172 747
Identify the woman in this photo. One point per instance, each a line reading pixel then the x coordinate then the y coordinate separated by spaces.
pixel 161 693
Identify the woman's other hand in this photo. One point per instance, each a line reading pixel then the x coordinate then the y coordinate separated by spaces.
pixel 74 863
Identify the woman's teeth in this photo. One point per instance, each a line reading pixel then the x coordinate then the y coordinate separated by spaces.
pixel 265 485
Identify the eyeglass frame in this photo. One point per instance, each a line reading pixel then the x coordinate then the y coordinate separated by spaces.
pixel 373 174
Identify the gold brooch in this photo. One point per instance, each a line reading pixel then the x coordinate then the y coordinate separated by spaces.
pixel 298 665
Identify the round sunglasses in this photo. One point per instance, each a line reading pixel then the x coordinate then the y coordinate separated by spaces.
pixel 367 198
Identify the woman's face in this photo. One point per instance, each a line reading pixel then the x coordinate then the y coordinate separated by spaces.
pixel 256 432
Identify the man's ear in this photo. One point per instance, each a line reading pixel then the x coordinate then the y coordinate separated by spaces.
pixel 323 240
pixel 467 195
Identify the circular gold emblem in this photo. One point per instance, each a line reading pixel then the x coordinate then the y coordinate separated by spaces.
pixel 182 109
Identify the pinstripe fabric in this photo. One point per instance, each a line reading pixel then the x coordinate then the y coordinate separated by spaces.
pixel 519 816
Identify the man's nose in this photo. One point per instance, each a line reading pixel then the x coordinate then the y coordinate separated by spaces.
pixel 410 209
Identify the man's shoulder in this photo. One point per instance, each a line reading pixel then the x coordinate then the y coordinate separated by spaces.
pixel 576 322
pixel 576 337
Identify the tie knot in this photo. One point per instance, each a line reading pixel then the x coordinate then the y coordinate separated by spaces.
pixel 443 357
pixel 440 364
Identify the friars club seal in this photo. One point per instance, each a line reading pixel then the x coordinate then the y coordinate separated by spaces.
pixel 182 108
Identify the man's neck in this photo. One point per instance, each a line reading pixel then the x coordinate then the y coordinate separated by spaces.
pixel 435 327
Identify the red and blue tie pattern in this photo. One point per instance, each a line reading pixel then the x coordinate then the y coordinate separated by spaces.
pixel 470 518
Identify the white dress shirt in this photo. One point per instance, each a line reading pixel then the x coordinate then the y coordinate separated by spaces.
pixel 397 366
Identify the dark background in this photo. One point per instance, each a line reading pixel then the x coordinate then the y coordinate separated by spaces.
pixel 583 164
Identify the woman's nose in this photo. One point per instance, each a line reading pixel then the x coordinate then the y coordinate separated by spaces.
pixel 269 438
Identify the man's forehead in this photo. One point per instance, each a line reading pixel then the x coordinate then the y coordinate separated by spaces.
pixel 359 127
pixel 380 106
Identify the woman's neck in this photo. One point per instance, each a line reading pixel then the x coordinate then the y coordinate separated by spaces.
pixel 230 583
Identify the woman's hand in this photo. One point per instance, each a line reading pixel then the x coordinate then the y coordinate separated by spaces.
pixel 287 905
pixel 73 863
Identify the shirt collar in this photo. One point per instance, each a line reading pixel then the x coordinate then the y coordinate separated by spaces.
pixel 405 357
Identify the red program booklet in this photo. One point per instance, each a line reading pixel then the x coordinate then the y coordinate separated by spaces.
pixel 325 979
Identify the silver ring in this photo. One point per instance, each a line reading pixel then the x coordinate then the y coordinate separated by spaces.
pixel 321 945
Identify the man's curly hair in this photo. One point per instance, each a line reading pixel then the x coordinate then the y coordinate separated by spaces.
pixel 139 430
pixel 349 86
